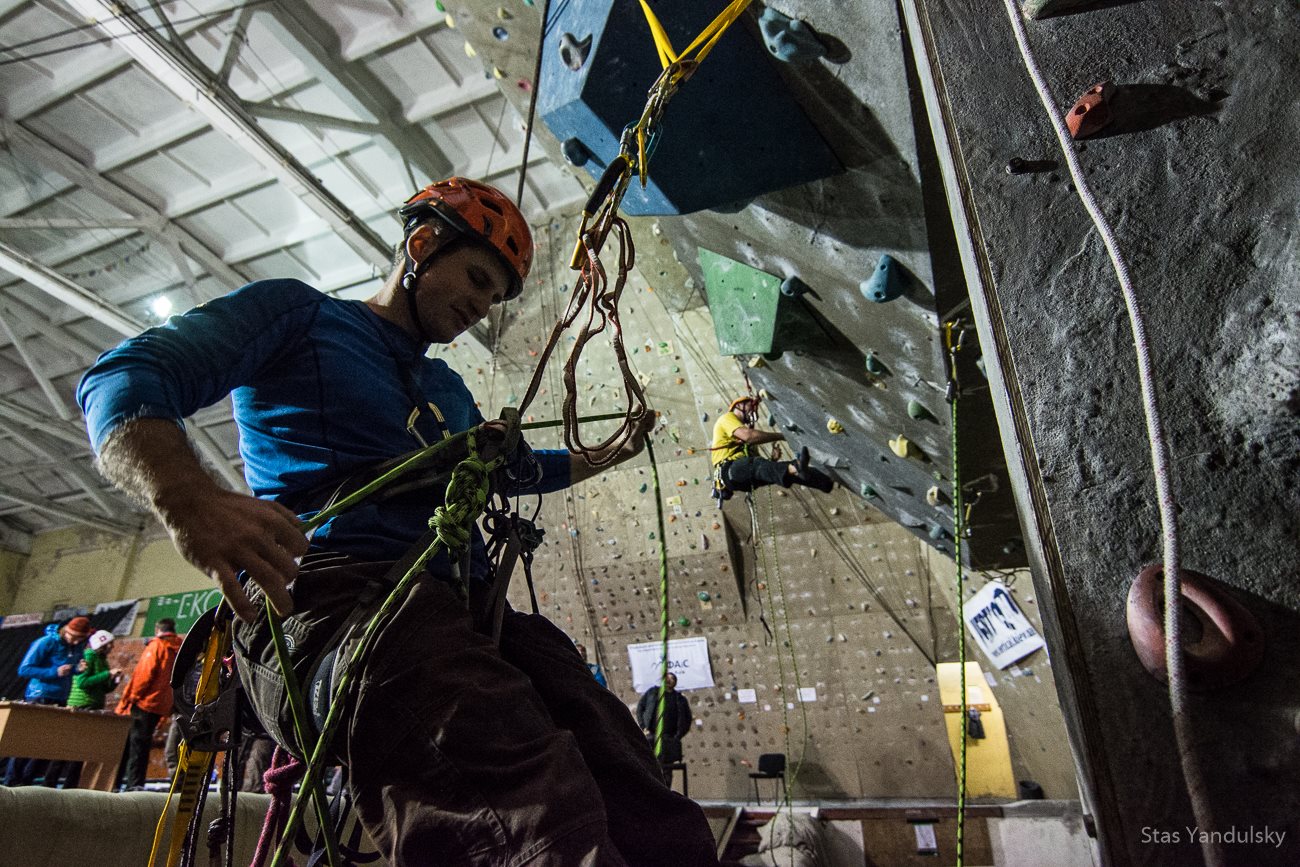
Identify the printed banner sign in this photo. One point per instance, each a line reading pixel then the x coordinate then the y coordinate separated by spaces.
pixel 184 608
pixel 125 611
pixel 13 620
pixel 68 612
pixel 688 658
pixel 1002 630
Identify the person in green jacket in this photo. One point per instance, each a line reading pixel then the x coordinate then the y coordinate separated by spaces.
pixel 93 681
pixel 94 678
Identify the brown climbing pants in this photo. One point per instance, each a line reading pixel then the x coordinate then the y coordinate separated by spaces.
pixel 463 753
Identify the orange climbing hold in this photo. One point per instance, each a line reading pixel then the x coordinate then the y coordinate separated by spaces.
pixel 1091 113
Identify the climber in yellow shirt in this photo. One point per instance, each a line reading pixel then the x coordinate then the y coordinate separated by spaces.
pixel 735 469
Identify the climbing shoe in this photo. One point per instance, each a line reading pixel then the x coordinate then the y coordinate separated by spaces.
pixel 802 463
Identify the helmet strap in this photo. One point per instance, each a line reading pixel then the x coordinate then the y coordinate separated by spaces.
pixel 411 280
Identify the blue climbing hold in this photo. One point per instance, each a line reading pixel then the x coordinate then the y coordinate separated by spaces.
pixel 867 491
pixel 875 366
pixel 885 283
pixel 789 39
pixel 575 152
pixel 793 287
pixel 500 33
pixel 938 533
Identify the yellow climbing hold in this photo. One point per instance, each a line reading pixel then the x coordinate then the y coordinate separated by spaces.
pixel 905 448
pixel 449 21
pixel 469 50
pixel 834 426
pixel 497 73
pixel 757 361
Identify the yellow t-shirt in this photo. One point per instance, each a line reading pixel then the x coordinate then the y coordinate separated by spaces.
pixel 725 446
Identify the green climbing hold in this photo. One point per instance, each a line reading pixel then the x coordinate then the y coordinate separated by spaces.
pixel 917 411
pixel 867 491
pixel 438 5
pixel 683 621
pixel 875 366
pixel 643 487
pixel 650 535
pixel 704 596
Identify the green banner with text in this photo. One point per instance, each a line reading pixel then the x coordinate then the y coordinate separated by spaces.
pixel 184 608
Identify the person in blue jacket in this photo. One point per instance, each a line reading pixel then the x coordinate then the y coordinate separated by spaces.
pixel 460 750
pixel 48 665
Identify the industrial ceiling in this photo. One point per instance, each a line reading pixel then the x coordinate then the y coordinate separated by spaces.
pixel 159 154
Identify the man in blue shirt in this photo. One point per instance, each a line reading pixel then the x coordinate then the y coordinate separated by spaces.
pixel 460 751
pixel 48 665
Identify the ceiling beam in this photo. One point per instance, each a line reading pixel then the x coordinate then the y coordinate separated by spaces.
pixel 52 157
pixel 196 86
pixel 359 88
pixel 42 504
pixel 266 111
pixel 67 431
pixel 21 265
pixel 77 223
pixel 51 393
pixel 64 464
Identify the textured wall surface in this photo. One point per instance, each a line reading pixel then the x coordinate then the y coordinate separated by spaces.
pixel 1198 177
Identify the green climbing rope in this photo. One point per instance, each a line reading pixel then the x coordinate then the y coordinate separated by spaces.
pixel 663 601
pixel 467 493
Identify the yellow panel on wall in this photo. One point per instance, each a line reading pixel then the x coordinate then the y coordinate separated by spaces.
pixel 988 759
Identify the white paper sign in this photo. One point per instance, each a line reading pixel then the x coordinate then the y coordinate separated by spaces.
pixel 808 693
pixel 999 626
pixel 688 658
pixel 926 843
pixel 747 696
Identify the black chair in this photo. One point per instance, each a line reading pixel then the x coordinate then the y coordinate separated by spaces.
pixel 771 766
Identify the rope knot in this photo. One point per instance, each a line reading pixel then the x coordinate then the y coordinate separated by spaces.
pixel 466 496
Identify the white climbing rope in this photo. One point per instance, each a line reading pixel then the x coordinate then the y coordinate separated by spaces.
pixel 1197 788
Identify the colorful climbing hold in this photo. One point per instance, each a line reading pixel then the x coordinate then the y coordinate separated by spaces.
pixel 789 39
pixel 905 448
pixel 834 426
pixel 917 410
pixel 683 621
pixel 793 287
pixel 885 283
pixel 875 366
pixel 704 596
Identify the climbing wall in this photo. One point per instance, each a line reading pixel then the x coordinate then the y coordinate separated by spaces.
pixel 829 596
pixel 1194 174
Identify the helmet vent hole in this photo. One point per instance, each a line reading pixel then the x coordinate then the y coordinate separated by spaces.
pixel 514 247
pixel 491 205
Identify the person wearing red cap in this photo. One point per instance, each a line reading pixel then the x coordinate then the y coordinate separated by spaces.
pixel 460 750
pixel 48 665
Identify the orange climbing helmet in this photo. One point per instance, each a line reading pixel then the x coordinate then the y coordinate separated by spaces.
pixel 482 212
pixel 749 414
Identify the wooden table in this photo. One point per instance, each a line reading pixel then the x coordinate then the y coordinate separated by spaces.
pixel 94 737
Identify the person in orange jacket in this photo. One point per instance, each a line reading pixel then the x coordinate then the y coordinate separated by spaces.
pixel 147 698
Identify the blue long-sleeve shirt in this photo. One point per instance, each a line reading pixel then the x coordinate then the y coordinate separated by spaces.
pixel 321 388
pixel 41 666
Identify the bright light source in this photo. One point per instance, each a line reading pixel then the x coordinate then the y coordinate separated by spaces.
pixel 161 306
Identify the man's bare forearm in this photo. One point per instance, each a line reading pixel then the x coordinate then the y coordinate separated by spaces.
pixel 150 459
pixel 220 532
